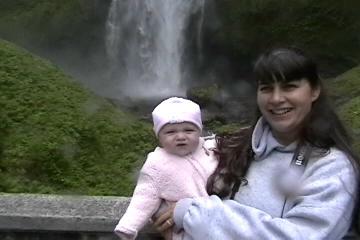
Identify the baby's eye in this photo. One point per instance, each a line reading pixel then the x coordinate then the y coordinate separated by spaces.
pixel 189 130
pixel 169 132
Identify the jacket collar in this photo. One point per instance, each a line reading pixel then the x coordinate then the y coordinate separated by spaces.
pixel 263 141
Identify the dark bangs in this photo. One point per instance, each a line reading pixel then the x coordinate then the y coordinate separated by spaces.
pixel 285 65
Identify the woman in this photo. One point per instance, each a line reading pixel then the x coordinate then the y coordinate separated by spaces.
pixel 292 175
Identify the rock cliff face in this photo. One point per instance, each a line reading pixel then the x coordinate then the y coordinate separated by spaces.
pixel 237 31
pixel 345 91
pixel 41 113
pixel 71 33
pixel 58 137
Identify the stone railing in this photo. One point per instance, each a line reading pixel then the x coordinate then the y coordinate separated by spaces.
pixel 33 216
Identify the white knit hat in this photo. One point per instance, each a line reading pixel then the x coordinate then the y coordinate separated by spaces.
pixel 176 110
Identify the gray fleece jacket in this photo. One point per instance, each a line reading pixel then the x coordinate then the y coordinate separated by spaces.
pixel 320 206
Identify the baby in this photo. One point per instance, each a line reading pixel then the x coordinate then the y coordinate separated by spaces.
pixel 178 168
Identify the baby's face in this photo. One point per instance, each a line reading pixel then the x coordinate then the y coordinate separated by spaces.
pixel 179 138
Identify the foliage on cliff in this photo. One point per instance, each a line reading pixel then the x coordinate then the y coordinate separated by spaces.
pixel 345 90
pixel 327 28
pixel 52 23
pixel 345 86
pixel 56 137
pixel 350 112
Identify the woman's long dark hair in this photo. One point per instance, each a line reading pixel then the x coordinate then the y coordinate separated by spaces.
pixel 323 128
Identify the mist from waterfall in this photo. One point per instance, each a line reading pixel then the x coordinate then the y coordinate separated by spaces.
pixel 145 43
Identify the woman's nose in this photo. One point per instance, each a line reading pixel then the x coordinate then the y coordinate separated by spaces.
pixel 277 95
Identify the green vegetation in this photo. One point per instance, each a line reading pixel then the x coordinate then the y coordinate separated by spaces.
pixel 346 92
pixel 326 28
pixel 350 113
pixel 70 32
pixel 56 137
pixel 220 129
pixel 204 95
pixel 52 23
pixel 346 86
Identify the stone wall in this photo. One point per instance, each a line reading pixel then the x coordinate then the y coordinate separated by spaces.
pixel 54 217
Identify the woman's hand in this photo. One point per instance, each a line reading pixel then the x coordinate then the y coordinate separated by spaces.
pixel 164 223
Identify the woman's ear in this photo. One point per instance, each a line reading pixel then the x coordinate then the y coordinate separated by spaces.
pixel 315 93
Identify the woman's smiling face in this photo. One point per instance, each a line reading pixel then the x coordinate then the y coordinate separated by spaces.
pixel 285 106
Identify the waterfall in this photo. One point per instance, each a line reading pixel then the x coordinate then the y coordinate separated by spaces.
pixel 145 42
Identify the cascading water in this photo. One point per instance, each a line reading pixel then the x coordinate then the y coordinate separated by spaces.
pixel 145 43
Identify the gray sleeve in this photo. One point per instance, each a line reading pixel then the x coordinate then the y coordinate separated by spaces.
pixel 321 209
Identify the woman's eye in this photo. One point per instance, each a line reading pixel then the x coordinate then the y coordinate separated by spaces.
pixel 290 86
pixel 264 88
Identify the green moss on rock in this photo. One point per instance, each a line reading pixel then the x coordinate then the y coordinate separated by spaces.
pixel 229 128
pixel 346 86
pixel 328 29
pixel 350 113
pixel 57 137
pixel 204 95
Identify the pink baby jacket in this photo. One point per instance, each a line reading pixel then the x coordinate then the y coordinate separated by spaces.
pixel 167 177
